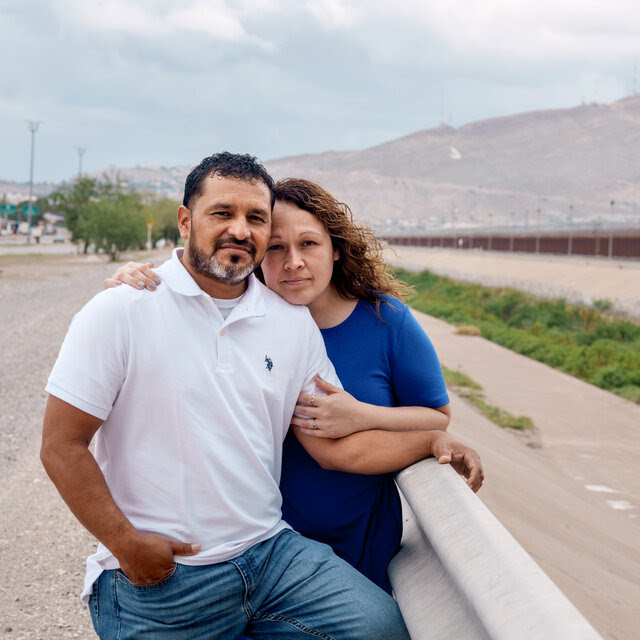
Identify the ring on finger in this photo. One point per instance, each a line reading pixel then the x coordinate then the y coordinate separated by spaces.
pixel 312 401
pixel 314 426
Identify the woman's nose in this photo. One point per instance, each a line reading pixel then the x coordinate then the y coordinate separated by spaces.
pixel 293 259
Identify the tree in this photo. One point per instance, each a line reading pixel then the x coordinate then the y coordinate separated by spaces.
pixel 73 200
pixel 101 213
pixel 163 212
pixel 116 222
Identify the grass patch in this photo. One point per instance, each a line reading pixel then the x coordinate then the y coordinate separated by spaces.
pixel 465 387
pixel 581 341
pixel 468 330
pixel 459 380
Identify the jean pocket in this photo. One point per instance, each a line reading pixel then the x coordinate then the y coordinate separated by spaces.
pixel 120 576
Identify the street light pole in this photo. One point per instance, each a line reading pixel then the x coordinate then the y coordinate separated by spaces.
pixel 33 127
pixel 81 151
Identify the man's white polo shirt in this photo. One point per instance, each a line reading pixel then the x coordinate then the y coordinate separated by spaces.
pixel 195 407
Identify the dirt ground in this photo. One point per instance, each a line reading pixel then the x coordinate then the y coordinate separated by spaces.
pixel 570 495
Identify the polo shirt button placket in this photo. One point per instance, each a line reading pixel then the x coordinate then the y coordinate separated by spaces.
pixel 224 348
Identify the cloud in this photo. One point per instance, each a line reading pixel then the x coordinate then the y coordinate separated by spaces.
pixel 335 14
pixel 151 80
pixel 146 18
pixel 529 30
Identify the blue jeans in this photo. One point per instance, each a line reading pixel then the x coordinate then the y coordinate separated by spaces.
pixel 285 587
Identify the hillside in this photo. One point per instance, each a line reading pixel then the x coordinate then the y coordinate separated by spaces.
pixel 554 168
pixel 543 166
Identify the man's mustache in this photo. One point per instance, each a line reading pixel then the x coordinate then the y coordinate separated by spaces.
pixel 247 244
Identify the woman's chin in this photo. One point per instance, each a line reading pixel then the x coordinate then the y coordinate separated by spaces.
pixel 293 297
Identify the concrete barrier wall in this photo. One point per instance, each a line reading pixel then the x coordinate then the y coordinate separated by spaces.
pixel 460 574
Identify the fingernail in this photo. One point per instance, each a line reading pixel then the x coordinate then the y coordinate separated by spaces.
pixel 151 287
pixel 157 280
pixel 140 284
pixel 195 548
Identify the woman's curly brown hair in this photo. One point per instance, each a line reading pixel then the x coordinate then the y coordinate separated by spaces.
pixel 360 272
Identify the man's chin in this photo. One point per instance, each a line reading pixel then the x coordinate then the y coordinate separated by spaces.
pixel 229 274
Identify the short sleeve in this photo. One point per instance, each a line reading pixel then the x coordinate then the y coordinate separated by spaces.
pixel 318 362
pixel 91 365
pixel 416 371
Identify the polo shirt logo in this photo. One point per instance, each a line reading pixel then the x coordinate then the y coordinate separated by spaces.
pixel 268 362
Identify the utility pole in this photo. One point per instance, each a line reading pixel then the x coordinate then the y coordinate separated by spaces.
pixel 81 151
pixel 33 127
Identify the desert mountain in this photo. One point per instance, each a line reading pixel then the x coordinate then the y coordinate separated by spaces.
pixel 552 168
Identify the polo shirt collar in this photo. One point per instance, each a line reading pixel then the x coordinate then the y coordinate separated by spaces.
pixel 178 279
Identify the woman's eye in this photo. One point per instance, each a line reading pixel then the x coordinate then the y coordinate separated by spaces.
pixel 308 243
pixel 274 247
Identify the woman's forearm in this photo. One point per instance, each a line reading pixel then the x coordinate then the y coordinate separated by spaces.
pixel 404 418
pixel 370 452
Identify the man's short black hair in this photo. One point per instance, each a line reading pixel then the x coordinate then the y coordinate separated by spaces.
pixel 226 165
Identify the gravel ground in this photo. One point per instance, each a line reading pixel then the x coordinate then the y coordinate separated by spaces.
pixel 42 547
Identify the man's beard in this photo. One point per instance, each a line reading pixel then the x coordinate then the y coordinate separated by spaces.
pixel 211 267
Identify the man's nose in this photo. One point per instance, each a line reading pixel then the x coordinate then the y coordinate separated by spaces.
pixel 239 228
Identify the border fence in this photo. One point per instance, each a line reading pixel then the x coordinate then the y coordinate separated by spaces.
pixel 595 244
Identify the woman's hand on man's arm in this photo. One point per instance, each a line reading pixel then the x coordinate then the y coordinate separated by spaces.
pixel 338 414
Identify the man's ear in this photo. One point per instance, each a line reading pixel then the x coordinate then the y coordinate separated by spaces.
pixel 184 222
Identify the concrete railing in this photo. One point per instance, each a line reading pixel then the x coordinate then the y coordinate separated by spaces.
pixel 460 574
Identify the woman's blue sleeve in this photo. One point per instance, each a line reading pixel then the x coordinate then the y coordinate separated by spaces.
pixel 416 372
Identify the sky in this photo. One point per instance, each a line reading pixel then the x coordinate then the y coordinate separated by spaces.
pixel 167 82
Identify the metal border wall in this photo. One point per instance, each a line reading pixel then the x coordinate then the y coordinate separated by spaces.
pixel 600 245
pixel 460 574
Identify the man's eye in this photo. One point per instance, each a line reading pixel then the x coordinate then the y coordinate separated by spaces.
pixel 258 219
pixel 223 214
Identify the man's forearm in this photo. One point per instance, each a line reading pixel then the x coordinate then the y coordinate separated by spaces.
pixel 82 486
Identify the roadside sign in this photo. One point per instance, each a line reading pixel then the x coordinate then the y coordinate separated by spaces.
pixel 27 207
pixel 7 209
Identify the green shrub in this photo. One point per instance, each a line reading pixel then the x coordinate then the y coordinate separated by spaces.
pixel 612 377
pixel 580 341
pixel 603 304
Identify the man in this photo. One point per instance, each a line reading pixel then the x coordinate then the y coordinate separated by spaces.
pixel 189 392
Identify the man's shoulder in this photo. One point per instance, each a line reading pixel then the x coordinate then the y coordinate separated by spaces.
pixel 278 305
pixel 116 301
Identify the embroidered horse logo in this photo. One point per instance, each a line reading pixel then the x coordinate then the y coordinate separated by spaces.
pixel 268 362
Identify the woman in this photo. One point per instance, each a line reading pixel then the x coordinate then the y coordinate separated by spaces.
pixel 317 256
